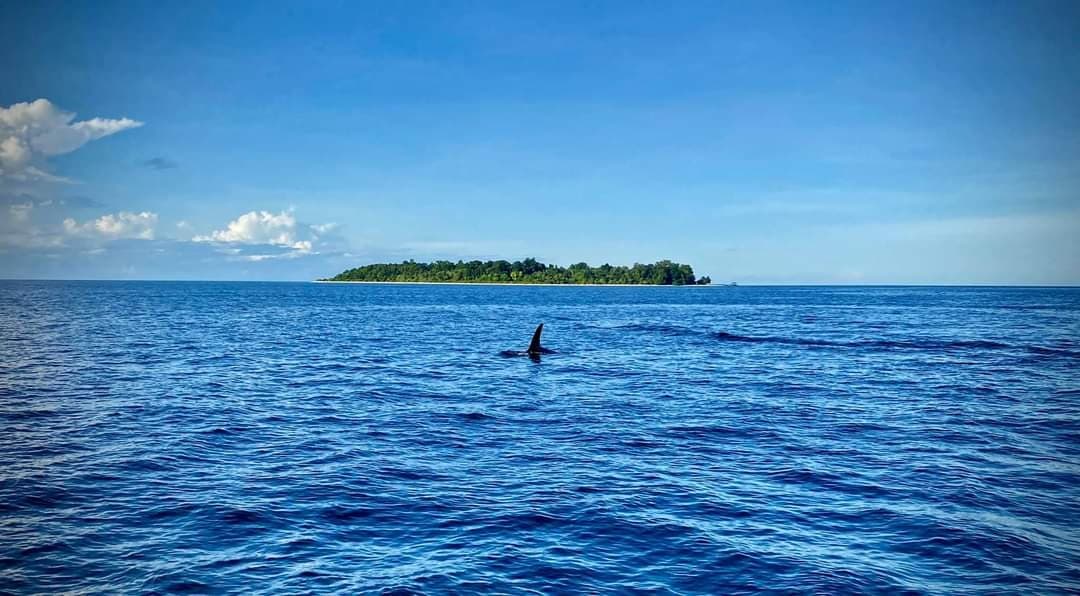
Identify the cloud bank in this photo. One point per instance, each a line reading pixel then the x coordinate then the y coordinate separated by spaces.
pixel 31 132
pixel 275 230
pixel 139 226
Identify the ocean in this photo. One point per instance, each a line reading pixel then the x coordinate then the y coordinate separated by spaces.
pixel 302 437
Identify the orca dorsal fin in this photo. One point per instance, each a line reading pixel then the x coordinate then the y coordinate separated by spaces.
pixel 534 346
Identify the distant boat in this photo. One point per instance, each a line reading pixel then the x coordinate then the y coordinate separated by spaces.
pixel 729 285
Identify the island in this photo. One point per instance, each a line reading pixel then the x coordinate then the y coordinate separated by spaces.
pixel 528 271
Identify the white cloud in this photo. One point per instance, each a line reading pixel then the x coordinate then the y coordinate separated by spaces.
pixel 324 228
pixel 32 131
pixel 264 227
pixel 20 212
pixel 265 257
pixel 115 226
pixel 32 173
pixel 14 153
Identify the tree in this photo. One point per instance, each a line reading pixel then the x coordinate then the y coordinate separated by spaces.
pixel 525 271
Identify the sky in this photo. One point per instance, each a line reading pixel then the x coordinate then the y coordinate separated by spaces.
pixel 760 142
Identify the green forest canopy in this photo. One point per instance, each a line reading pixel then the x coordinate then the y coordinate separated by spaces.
pixel 528 271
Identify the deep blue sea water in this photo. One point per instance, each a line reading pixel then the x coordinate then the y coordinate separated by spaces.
pixel 295 437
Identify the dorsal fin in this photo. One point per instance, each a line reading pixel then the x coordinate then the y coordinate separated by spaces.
pixel 534 346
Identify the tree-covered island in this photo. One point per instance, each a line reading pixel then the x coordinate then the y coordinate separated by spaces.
pixel 528 271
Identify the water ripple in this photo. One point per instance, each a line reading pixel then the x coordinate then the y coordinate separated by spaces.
pixel 207 437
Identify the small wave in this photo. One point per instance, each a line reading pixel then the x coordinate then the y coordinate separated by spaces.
pixel 665 329
pixel 47 547
pixel 659 328
pixel 724 336
pixel 344 515
pixel 170 512
pixel 475 416
pixel 147 465
pixel 1054 352
pixel 711 431
pixel 300 544
pixel 187 586
pixel 46 498
pixel 406 474
pixel 925 344
pixel 242 516
pixel 880 344
pixel 640 443
pixel 804 476
pixel 29 414
pixel 222 430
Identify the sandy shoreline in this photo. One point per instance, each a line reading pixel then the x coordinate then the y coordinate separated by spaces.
pixel 502 283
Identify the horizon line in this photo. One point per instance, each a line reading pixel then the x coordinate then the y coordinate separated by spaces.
pixel 714 285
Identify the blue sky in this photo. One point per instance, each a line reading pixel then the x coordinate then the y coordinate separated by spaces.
pixel 763 142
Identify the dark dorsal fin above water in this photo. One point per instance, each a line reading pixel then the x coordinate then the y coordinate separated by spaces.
pixel 534 346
